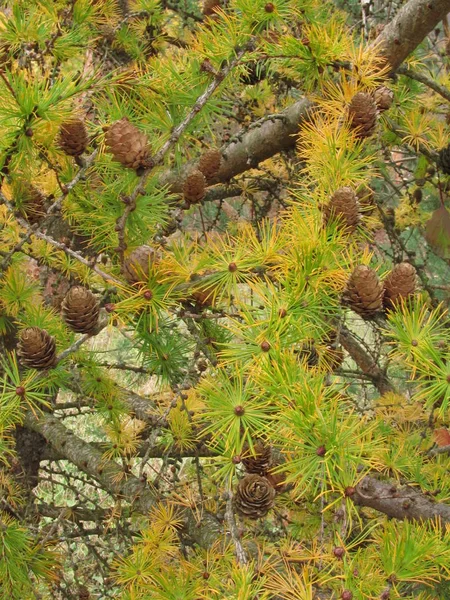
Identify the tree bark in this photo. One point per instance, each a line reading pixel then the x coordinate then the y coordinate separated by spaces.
pixel 413 22
pixel 400 502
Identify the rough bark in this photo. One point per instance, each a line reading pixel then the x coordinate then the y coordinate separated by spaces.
pixel 267 137
pixel 413 22
pixel 400 502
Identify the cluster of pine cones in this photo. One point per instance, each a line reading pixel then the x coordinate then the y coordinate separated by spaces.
pixel 256 491
pixel 128 145
pixel 195 184
pixel 364 109
pixel 37 348
pixel 368 296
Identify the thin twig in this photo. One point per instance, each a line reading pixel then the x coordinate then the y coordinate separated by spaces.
pixel 229 515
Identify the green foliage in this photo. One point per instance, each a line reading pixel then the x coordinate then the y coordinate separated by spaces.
pixel 238 335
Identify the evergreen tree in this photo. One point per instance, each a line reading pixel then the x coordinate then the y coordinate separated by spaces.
pixel 224 288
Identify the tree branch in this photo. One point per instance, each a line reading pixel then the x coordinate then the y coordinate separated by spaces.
pixel 411 25
pixel 421 78
pixel 267 137
pixel 112 477
pixel 400 502
pixel 365 362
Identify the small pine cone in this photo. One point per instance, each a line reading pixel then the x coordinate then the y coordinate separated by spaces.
pixel 384 97
pixel 363 114
pixel 210 6
pixel 260 462
pixel 277 481
pixel 344 206
pixel 80 310
pixel 33 203
pixel 400 283
pixel 136 267
pixel 209 163
pixel 36 348
pixel 366 198
pixel 444 159
pixel 194 187
pixel 128 145
pixel 203 298
pixel 73 138
pixel 308 352
pixel 364 292
pixel 254 497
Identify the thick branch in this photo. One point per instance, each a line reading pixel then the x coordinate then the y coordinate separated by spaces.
pixel 268 136
pixel 411 25
pixel 112 477
pixel 399 502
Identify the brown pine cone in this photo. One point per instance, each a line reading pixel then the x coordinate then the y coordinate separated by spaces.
pixel 80 310
pixel 128 145
pixel 36 348
pixel 194 187
pixel 384 97
pixel 400 283
pixel 258 463
pixel 364 292
pixel 32 202
pixel 136 267
pixel 343 206
pixel 363 114
pixel 254 497
pixel 209 7
pixel 73 138
pixel 209 163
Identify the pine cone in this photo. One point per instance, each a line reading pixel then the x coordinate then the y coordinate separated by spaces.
pixel 254 497
pixel 343 206
pixel 136 267
pixel 203 298
pixel 73 138
pixel 80 310
pixel 384 97
pixel 444 159
pixel 260 462
pixel 194 187
pixel 36 348
pixel 400 283
pixel 32 202
pixel 209 7
pixel 209 162
pixel 128 145
pixel 364 292
pixel 366 198
pixel 363 114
